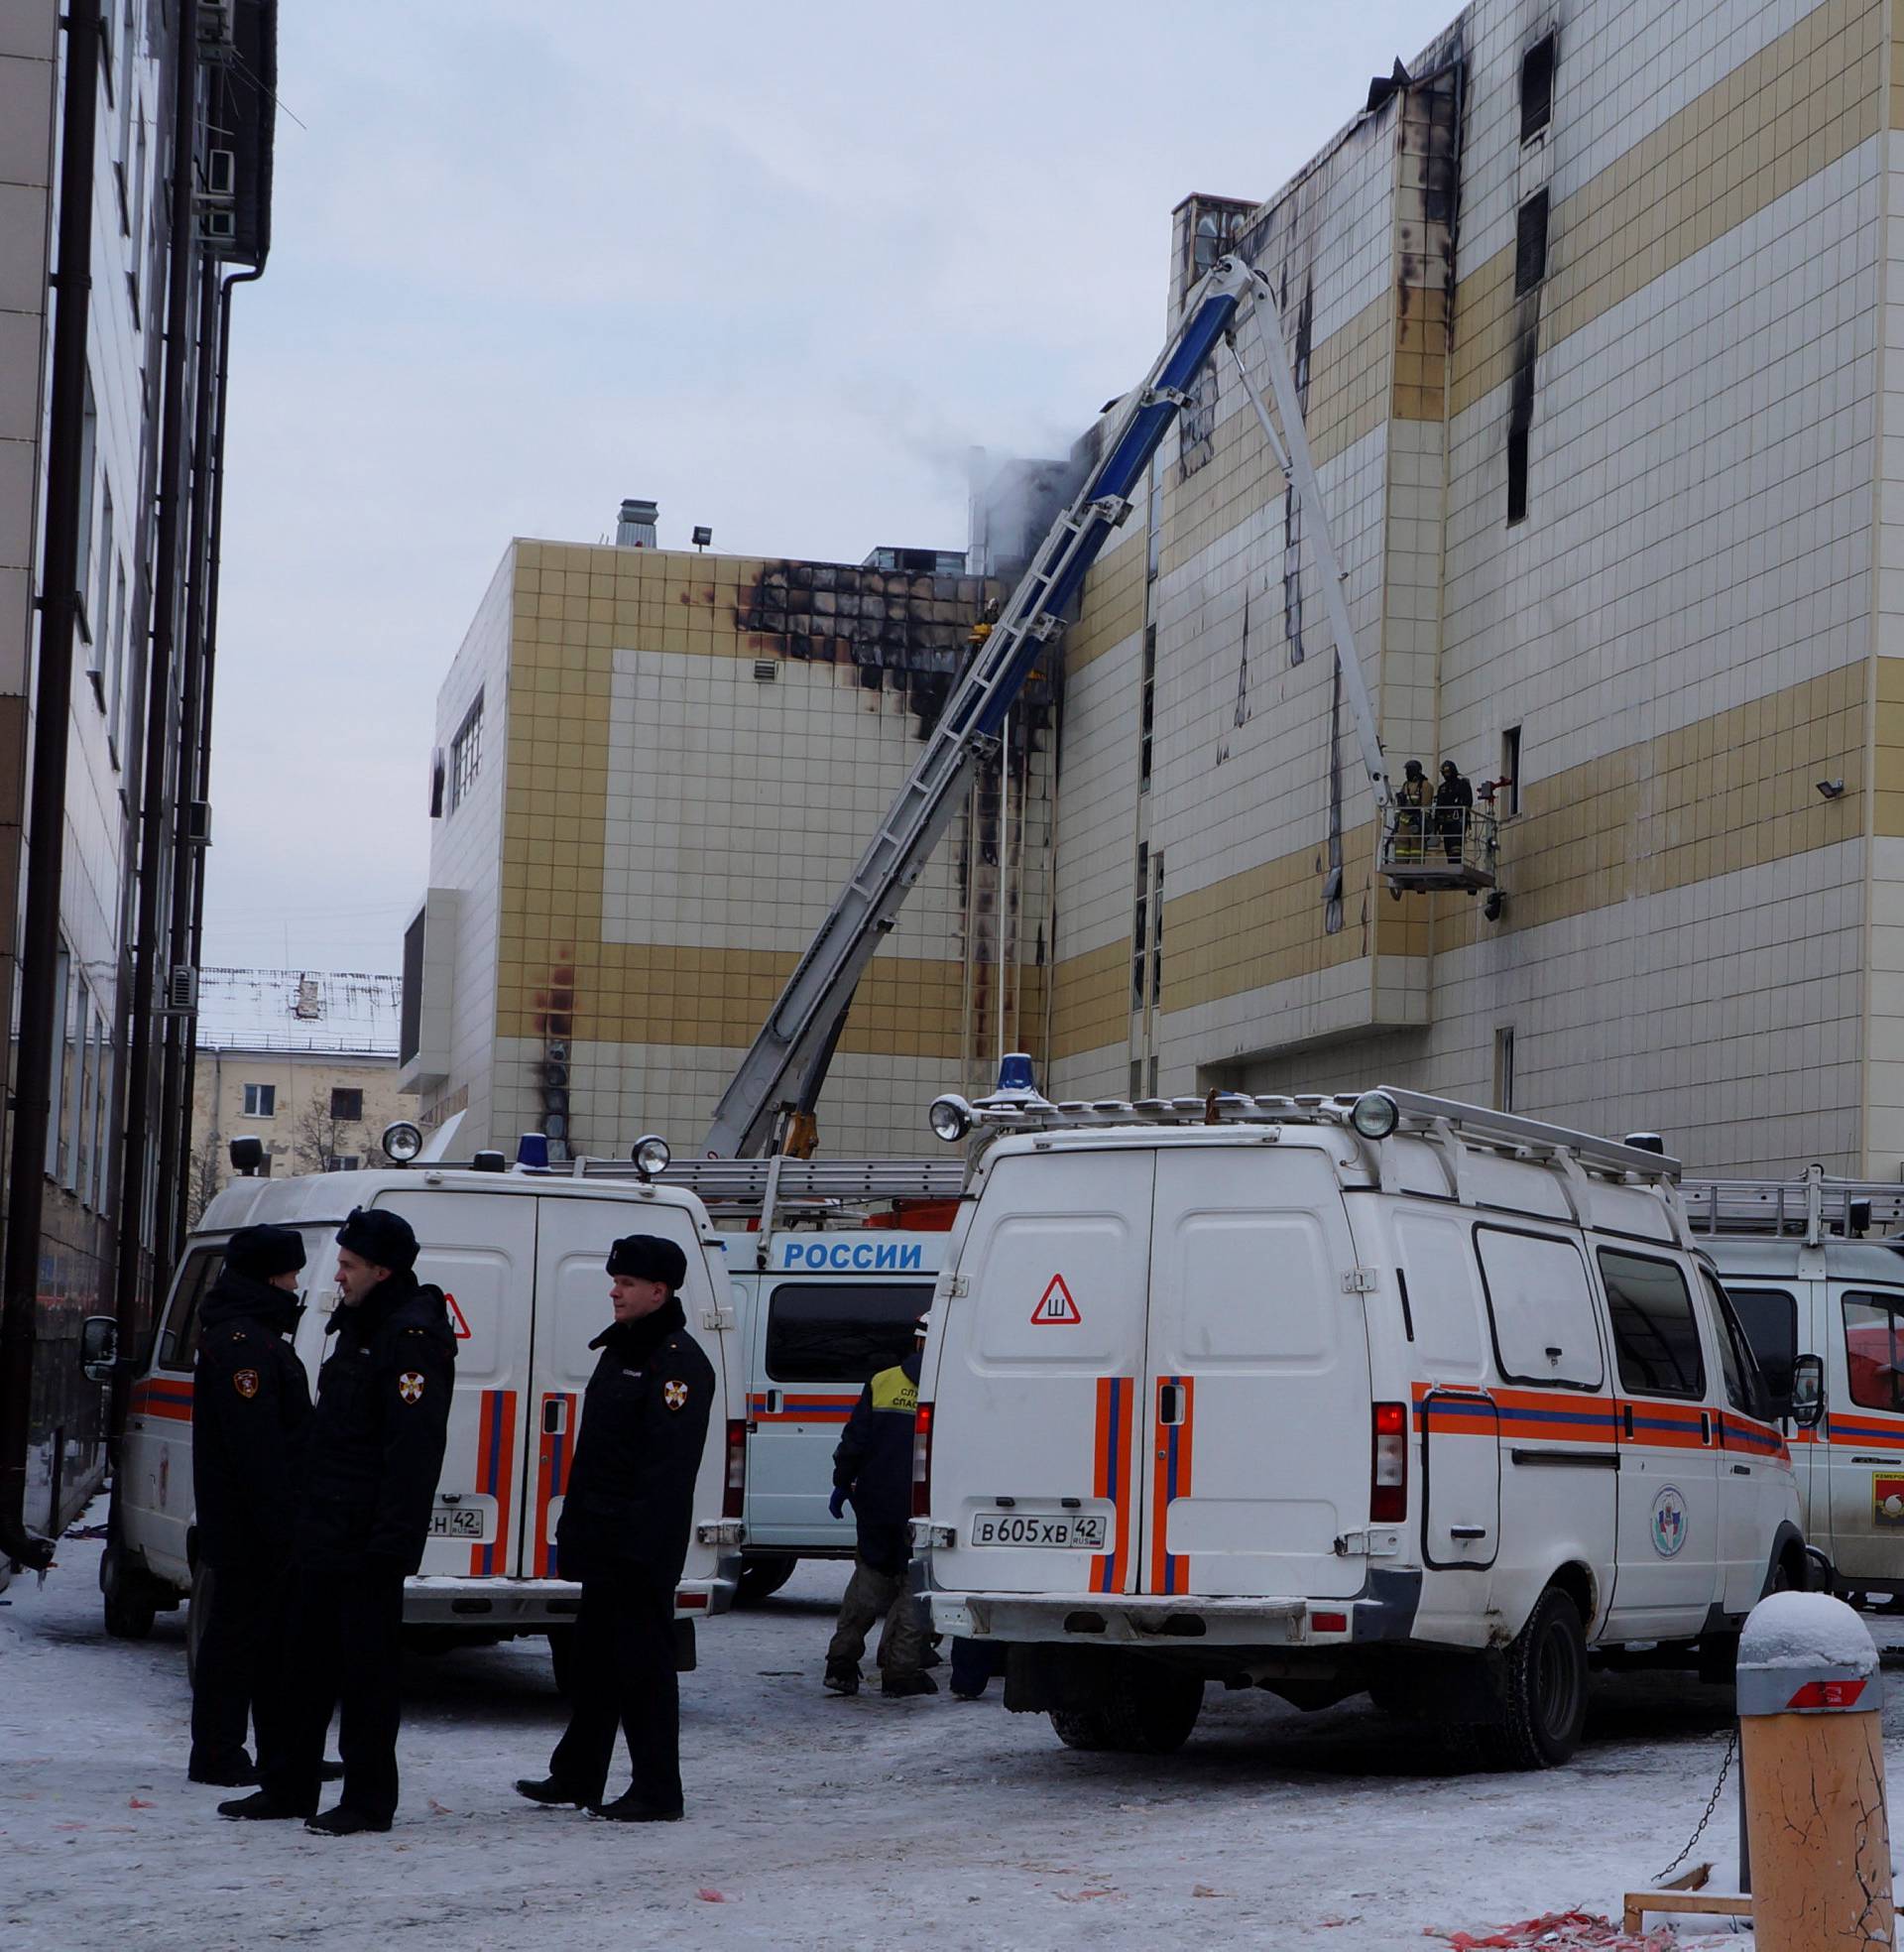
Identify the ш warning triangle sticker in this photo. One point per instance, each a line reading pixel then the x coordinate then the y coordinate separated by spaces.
pixel 457 1319
pixel 1056 1306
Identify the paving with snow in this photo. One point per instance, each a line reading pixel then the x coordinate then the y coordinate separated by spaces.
pixel 817 1821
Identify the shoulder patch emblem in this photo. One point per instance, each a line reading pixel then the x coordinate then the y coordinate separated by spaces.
pixel 409 1385
pixel 675 1395
pixel 245 1382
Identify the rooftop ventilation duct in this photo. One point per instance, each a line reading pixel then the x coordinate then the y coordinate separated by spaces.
pixel 635 529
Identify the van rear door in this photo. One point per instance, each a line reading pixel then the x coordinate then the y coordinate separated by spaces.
pixel 573 1235
pixel 1040 1371
pixel 1256 1403
pixel 480 1250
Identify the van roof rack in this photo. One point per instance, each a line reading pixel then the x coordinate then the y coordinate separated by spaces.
pixel 1812 1207
pixel 751 1182
pixel 1474 1125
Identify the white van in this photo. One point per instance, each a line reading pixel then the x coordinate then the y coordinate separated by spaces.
pixel 827 1308
pixel 1388 1392
pixel 520 1255
pixel 1819 1286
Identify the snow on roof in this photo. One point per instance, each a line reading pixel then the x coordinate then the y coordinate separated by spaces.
pixel 334 1010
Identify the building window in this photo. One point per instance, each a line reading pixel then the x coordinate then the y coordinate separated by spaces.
pixel 341 1162
pixel 261 1101
pixel 99 653
pixel 1141 926
pixel 1157 930
pixel 88 462
pixel 116 668
pixel 1530 244
pixel 1536 89
pixel 1147 706
pixel 1516 474
pixel 1511 772
pixel 466 754
pixel 1504 1068
pixel 346 1104
pixel 138 218
pixel 1197 429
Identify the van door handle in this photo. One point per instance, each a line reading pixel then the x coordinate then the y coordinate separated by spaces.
pixel 1170 1403
pixel 1878 1460
pixel 1627 1414
pixel 1742 1470
pixel 554 1416
pixel 1705 1426
pixel 1467 1531
pixel 772 1402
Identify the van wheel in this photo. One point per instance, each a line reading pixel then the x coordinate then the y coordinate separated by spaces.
pixel 561 1657
pixel 1151 1714
pixel 1546 1690
pixel 759 1577
pixel 131 1604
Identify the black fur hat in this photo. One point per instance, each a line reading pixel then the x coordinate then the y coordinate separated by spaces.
pixel 383 1238
pixel 646 1257
pixel 260 1252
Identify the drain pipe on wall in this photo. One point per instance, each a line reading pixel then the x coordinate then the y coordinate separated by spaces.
pixel 159 688
pixel 195 954
pixel 59 602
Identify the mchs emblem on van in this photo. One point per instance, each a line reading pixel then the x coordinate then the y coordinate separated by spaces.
pixel 1669 1523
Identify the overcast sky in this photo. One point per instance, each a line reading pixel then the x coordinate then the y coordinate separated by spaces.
pixel 778 267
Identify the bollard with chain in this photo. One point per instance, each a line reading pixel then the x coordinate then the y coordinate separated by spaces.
pixel 1812 1755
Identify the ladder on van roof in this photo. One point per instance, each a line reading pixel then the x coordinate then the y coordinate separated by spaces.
pixel 1812 1208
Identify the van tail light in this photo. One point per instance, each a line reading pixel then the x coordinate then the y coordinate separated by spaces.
pixel 734 1495
pixel 1388 1465
pixel 923 1461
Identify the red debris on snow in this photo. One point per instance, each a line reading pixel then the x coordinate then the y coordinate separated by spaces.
pixel 709 1896
pixel 1559 1931
pixel 133 1802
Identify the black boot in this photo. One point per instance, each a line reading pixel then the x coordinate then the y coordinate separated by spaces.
pixel 550 1792
pixel 630 1808
pixel 234 1772
pixel 261 1808
pixel 908 1685
pixel 841 1677
pixel 343 1821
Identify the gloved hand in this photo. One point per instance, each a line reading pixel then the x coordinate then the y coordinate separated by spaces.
pixel 837 1503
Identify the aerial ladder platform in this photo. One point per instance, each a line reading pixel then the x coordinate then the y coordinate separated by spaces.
pixel 778 1080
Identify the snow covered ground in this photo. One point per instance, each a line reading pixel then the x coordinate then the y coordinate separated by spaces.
pixel 811 1820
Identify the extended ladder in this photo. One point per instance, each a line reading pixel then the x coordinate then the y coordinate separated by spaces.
pixel 1812 1207
pixel 789 1057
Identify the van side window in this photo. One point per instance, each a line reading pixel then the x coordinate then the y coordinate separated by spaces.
pixel 841 1331
pixel 1655 1334
pixel 1874 1349
pixel 1769 1318
pixel 1744 1388
pixel 179 1340
pixel 1541 1307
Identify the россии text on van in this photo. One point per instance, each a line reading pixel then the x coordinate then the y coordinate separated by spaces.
pixel 1388 1393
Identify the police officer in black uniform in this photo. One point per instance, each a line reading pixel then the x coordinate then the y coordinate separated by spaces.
pixel 624 1533
pixel 251 1415
pixel 375 1452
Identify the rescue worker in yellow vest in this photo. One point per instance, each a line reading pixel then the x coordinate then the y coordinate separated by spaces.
pixel 873 1472
pixel 1411 803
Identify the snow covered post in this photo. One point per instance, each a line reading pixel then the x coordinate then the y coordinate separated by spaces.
pixel 1813 1757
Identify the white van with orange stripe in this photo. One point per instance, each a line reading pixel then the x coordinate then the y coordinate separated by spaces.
pixel 1320 1395
pixel 520 1255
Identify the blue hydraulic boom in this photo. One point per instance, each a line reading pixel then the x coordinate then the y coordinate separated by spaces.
pixel 783 1069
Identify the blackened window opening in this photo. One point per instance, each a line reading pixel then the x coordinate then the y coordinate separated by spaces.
pixel 1518 475
pixel 1530 244
pixel 1537 87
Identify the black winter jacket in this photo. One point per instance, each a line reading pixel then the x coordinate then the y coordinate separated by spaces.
pixel 630 1501
pixel 874 1460
pixel 250 1421
pixel 377 1439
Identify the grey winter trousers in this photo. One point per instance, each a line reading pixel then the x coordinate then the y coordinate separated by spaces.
pixel 871 1596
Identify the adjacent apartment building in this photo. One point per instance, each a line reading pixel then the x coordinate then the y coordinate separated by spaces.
pixel 134 178
pixel 655 768
pixel 304 1061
